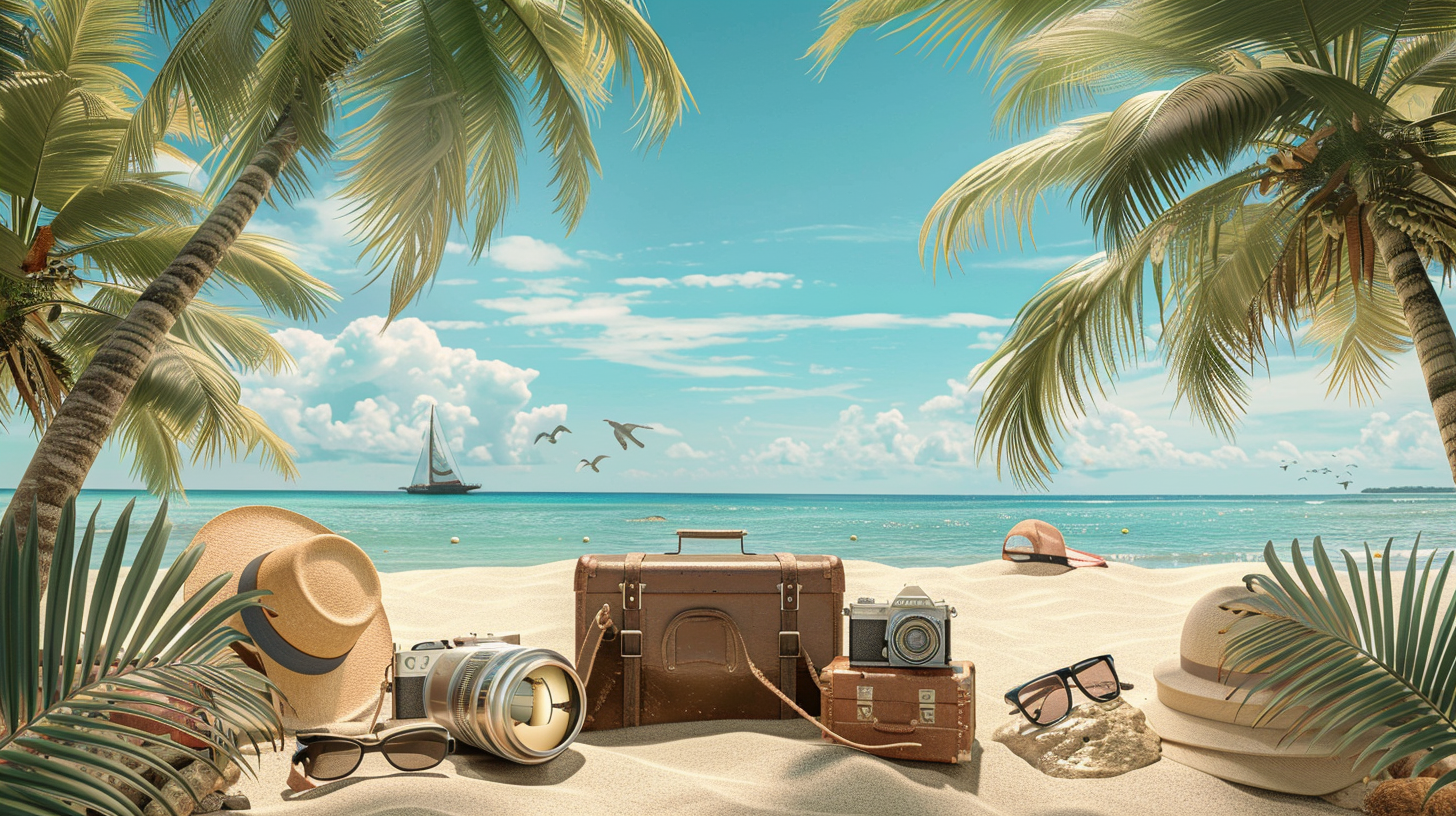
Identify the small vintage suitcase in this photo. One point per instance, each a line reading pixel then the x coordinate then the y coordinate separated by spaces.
pixel 877 705
pixel 685 620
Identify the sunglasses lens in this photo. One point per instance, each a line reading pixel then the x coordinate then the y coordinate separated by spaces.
pixel 1098 680
pixel 1044 701
pixel 331 759
pixel 416 751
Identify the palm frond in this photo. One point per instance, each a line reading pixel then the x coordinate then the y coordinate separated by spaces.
pixel 256 262
pixel 1355 661
pixel 1362 329
pixel 66 667
pixel 93 42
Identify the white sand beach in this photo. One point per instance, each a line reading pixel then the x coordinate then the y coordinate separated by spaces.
pixel 1013 626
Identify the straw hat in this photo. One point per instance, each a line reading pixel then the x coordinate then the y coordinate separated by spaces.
pixel 323 638
pixel 1205 716
pixel 1038 537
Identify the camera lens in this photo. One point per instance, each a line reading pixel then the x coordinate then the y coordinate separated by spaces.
pixel 916 639
pixel 518 703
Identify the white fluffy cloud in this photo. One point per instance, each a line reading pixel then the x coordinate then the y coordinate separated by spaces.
pixel 869 446
pixel 655 283
pixel 747 280
pixel 1117 439
pixel 522 253
pixel 661 343
pixel 1409 443
pixel 682 450
pixel 364 394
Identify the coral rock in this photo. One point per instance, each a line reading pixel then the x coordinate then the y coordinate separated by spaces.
pixel 1403 797
pixel 1096 740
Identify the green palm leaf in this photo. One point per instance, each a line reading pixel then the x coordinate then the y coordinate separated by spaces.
pixel 58 686
pixel 1367 666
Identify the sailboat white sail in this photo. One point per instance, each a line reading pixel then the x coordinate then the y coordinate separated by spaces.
pixel 437 471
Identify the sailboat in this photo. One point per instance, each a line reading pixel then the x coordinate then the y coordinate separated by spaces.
pixel 436 473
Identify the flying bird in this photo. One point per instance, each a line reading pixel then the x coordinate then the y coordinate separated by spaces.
pixel 551 437
pixel 592 464
pixel 624 432
pixel 1303 478
pixel 1352 466
pixel 1344 484
pixel 1284 467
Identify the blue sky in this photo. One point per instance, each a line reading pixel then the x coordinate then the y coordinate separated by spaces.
pixel 754 292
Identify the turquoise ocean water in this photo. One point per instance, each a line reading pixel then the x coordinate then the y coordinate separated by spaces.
pixel 403 532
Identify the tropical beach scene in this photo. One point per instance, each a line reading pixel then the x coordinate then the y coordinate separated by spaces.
pixel 851 406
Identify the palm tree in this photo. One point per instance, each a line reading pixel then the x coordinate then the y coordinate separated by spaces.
pixel 436 92
pixel 1275 167
pixel 75 251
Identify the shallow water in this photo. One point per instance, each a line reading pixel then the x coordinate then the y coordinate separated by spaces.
pixel 404 532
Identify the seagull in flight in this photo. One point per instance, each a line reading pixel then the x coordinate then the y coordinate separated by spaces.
pixel 1344 484
pixel 1284 467
pixel 592 464
pixel 1303 478
pixel 551 437
pixel 624 432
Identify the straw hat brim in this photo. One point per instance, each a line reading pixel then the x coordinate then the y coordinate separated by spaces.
pixel 349 692
pixel 1192 731
pixel 1289 773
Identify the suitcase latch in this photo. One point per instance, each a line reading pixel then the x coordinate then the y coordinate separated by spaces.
pixel 864 697
pixel 927 706
pixel 788 644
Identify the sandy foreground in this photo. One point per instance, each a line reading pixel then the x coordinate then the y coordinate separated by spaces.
pixel 1013 626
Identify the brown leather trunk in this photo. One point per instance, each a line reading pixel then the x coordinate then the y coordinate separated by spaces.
pixel 878 705
pixel 677 658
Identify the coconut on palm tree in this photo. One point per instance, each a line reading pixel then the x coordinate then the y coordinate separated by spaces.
pixel 1273 168
pixel 76 248
pixel 434 95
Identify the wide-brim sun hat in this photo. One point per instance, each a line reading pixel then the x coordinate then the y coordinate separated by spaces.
pixel 1206 718
pixel 322 636
pixel 1036 542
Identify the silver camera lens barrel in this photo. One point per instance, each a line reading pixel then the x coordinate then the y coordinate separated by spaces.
pixel 916 638
pixel 475 693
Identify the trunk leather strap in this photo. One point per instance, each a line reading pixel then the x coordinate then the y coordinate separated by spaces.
pixel 789 646
pixel 632 641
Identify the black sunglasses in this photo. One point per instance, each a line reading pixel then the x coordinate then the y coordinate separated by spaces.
pixel 1047 700
pixel 417 747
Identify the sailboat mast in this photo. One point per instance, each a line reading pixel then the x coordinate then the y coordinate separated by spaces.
pixel 432 444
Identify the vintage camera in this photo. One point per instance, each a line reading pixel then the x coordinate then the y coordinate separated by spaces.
pixel 517 702
pixel 911 631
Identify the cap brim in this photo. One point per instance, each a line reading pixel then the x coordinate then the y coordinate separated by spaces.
pixel 236 537
pixel 1077 558
pixel 1287 773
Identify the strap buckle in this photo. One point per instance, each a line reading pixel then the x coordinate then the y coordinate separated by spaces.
pixel 631 595
pixel 789 597
pixel 788 644
pixel 634 638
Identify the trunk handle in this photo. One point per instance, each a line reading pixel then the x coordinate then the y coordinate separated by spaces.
pixel 714 534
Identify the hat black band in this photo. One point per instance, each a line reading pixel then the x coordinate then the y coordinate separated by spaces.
pixel 266 638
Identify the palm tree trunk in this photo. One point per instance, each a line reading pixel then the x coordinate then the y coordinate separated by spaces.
pixel 1429 326
pixel 74 437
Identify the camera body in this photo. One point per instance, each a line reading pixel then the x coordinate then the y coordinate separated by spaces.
pixel 911 631
pixel 412 667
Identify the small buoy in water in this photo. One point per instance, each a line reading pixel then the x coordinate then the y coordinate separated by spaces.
pixel 454 539
pixel 386 550
pixel 1124 531
pixel 586 539
pixel 854 538
pixel 1378 555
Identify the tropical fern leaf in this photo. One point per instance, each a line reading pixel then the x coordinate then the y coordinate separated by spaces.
pixel 69 667
pixel 1366 659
